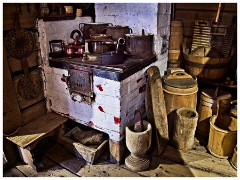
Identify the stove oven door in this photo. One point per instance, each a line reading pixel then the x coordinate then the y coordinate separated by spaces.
pixel 81 81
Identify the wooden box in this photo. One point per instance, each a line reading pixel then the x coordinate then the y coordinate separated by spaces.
pixel 90 153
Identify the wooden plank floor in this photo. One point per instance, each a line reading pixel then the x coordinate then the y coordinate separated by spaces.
pixel 57 162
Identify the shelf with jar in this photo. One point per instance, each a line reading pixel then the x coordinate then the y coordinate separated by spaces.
pixel 55 12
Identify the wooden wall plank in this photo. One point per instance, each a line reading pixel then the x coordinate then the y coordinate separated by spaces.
pixel 11 111
pixel 207 6
pixel 34 112
pixel 205 11
pixel 15 64
pixel 28 15
pixel 224 18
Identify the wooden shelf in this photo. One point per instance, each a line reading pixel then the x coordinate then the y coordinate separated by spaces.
pixel 57 17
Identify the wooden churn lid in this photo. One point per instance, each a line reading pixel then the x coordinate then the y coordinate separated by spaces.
pixel 180 79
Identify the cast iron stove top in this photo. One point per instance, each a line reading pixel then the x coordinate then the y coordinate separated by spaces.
pixel 116 72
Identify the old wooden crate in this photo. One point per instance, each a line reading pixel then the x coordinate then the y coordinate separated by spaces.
pixel 90 153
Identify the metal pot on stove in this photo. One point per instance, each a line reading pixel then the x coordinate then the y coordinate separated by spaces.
pixel 117 31
pixel 114 57
pixel 139 46
pixel 92 28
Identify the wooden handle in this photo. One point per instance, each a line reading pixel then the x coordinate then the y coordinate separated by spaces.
pixel 179 75
pixel 218 13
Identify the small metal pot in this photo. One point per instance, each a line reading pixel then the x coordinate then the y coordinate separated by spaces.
pixel 100 46
pixel 114 57
pixel 139 46
pixel 96 47
pixel 100 36
pixel 92 28
pixel 117 31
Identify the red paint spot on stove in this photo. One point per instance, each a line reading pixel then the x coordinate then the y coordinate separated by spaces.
pixel 142 88
pixel 139 80
pixel 117 120
pixel 100 87
pixel 100 109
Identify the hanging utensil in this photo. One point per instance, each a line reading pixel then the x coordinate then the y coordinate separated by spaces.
pixel 20 44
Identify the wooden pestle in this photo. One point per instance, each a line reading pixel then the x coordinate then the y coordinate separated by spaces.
pixel 138 123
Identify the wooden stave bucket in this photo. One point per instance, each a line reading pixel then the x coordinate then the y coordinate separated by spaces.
pixel 227 140
pixel 233 160
pixel 176 35
pixel 185 124
pixel 173 59
pixel 206 68
pixel 208 106
pixel 172 64
pixel 174 99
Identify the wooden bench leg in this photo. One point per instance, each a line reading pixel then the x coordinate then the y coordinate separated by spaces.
pixel 27 157
pixel 26 153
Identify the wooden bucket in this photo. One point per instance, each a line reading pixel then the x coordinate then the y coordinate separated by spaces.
pixel 185 124
pixel 176 35
pixel 222 136
pixel 206 68
pixel 208 107
pixel 172 64
pixel 233 160
pixel 173 59
pixel 180 90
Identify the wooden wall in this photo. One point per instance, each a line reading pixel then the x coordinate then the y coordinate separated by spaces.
pixel 204 11
pixel 189 12
pixel 28 13
pixel 17 110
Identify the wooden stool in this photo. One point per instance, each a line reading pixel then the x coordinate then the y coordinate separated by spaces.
pixel 51 124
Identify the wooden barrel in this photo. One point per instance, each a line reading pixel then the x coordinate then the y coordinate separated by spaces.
pixel 176 35
pixel 180 90
pixel 172 64
pixel 206 68
pixel 222 136
pixel 208 106
pixel 185 124
pixel 173 59
pixel 233 160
